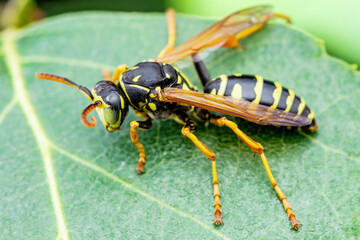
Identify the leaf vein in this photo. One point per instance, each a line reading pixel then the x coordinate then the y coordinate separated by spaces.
pixel 136 189
pixel 66 61
pixel 338 99
pixel 322 145
pixel 7 109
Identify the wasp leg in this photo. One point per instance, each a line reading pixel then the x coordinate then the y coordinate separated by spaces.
pixel 116 75
pixel 118 71
pixel 106 75
pixel 187 131
pixel 257 148
pixel 144 125
pixel 171 23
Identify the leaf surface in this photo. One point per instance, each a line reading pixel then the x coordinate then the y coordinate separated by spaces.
pixel 63 180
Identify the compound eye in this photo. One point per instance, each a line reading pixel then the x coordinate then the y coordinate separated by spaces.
pixel 111 116
pixel 111 113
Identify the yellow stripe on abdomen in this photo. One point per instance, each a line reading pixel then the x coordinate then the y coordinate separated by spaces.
pixel 237 91
pixel 290 100
pixel 223 85
pixel 301 106
pixel 258 89
pixel 213 92
pixel 276 95
pixel 311 115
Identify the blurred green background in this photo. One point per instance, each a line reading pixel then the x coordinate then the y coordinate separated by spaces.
pixel 336 22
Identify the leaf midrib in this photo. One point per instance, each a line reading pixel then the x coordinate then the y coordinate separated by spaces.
pixel 12 61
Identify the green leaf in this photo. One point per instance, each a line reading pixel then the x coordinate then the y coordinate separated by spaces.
pixel 62 180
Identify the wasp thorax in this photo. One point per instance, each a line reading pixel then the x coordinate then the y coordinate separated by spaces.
pixel 113 108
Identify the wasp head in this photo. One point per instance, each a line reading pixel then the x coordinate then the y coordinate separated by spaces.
pixel 112 105
pixel 109 101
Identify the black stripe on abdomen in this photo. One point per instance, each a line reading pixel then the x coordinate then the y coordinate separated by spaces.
pixel 245 84
pixel 257 90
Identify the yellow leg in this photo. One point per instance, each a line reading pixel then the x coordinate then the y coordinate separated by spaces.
pixel 257 148
pixel 116 75
pixel 106 75
pixel 118 71
pixel 207 152
pixel 170 18
pixel 135 140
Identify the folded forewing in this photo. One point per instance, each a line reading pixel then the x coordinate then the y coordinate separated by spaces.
pixel 249 111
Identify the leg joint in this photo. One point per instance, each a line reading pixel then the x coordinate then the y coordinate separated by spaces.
pixel 134 124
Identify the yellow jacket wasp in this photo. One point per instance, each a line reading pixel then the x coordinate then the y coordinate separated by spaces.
pixel 158 91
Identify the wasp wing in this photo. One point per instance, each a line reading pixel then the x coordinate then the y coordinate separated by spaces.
pixel 223 33
pixel 249 111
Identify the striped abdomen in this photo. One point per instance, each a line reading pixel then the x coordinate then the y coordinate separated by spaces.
pixel 257 90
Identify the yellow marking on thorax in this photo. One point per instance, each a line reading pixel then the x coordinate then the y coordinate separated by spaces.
pixel 237 74
pixel 186 79
pixel 213 92
pixel 133 68
pixel 179 79
pixel 182 76
pixel 276 95
pixel 142 104
pixel 311 115
pixel 237 91
pixel 140 87
pixel 185 87
pixel 135 79
pixel 124 91
pixel 223 84
pixel 301 106
pixel 152 106
pixel 167 76
pixel 122 102
pixel 152 95
pixel 132 85
pixel 258 89
pixel 289 100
